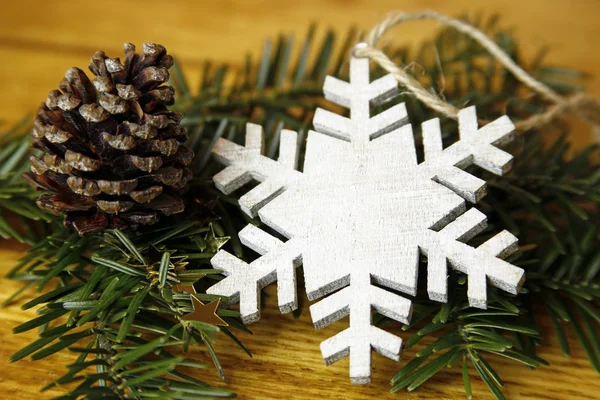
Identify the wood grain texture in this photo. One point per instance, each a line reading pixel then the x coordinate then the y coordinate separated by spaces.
pixel 39 40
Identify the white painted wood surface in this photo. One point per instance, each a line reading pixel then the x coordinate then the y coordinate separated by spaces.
pixel 361 212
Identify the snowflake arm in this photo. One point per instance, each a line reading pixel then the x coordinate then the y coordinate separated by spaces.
pixel 358 95
pixel 476 146
pixel 247 163
pixel 356 341
pixel 244 281
pixel 479 264
pixel 379 91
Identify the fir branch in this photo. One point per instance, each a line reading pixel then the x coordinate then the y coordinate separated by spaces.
pixel 559 194
pixel 118 312
pixel 18 213
pixel 465 333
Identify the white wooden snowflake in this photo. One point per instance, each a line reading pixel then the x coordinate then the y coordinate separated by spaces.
pixel 361 212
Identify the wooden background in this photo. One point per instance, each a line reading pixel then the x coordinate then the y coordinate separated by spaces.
pixel 39 40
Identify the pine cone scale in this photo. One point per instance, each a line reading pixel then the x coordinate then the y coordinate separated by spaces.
pixel 117 187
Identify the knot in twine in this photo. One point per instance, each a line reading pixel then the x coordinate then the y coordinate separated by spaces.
pixel 584 106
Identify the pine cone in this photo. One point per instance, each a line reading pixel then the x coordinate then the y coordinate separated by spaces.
pixel 114 154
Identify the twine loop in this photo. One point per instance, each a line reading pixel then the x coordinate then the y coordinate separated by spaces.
pixel 584 106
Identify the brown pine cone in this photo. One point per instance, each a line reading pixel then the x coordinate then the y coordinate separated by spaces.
pixel 114 154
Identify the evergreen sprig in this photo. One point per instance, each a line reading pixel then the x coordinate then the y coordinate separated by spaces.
pixel 110 297
pixel 467 335
pixel 17 206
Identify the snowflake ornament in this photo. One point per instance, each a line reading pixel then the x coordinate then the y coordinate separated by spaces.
pixel 360 213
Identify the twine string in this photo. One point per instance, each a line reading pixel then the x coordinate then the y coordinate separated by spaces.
pixel 585 106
